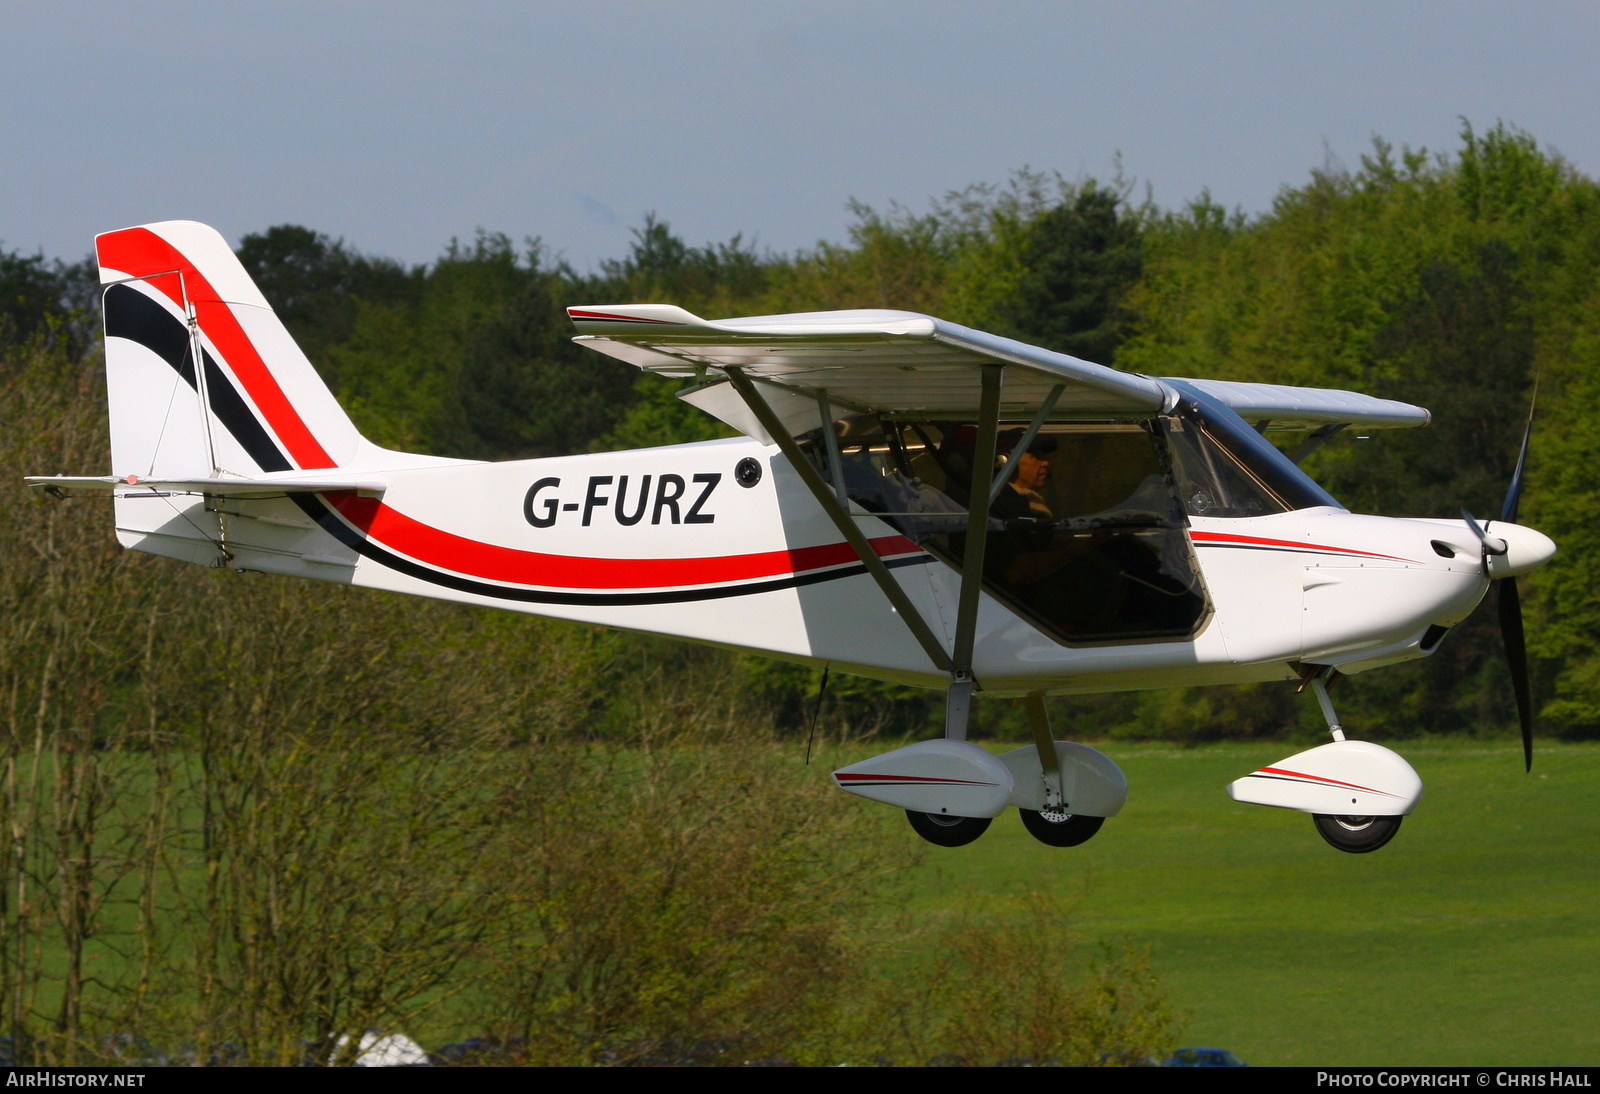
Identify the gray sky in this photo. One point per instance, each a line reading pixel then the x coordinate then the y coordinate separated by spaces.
pixel 400 125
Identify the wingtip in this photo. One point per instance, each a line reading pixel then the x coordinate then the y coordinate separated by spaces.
pixel 628 319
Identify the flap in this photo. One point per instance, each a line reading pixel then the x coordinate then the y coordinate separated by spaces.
pixel 797 410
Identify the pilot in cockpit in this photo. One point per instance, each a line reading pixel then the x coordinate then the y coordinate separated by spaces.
pixel 1028 555
pixel 1021 496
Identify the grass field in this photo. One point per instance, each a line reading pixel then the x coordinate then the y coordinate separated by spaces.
pixel 1472 939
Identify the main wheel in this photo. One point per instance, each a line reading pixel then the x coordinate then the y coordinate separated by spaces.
pixel 1357 835
pixel 1060 829
pixel 945 830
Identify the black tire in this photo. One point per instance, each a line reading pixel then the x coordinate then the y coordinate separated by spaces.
pixel 945 830
pixel 1356 835
pixel 1060 829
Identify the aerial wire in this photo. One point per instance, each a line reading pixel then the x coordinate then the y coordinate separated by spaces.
pixel 816 712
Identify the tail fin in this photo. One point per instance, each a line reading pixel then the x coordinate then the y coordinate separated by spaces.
pixel 256 405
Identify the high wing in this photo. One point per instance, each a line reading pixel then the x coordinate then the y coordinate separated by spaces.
pixel 904 363
pixel 866 361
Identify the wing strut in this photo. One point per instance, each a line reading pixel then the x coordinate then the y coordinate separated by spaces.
pixel 961 683
pixel 831 439
pixel 958 700
pixel 842 520
pixel 1314 442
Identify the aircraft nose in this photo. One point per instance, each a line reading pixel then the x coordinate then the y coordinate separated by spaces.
pixel 1526 549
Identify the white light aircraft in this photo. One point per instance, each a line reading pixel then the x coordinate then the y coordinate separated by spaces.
pixel 1129 531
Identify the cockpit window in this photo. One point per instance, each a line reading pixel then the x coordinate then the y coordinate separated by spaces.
pixel 1086 537
pixel 1211 482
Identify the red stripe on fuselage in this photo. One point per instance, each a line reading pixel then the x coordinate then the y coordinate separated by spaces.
pixel 491 562
pixel 140 252
pixel 1224 539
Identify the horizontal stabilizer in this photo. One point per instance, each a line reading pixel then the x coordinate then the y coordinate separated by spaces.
pixel 133 485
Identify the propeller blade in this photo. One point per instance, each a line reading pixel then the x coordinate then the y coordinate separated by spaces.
pixel 1509 603
pixel 1491 546
pixel 1508 510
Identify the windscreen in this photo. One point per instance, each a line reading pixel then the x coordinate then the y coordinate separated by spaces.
pixel 1224 468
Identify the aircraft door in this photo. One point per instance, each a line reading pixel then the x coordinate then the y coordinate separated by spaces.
pixel 1087 539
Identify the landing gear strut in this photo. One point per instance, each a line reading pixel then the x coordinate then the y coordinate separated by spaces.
pixel 1356 792
pixel 1054 825
pixel 1354 835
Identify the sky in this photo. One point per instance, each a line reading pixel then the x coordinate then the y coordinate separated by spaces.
pixel 399 126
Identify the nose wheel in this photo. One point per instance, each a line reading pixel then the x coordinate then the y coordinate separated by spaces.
pixel 1356 835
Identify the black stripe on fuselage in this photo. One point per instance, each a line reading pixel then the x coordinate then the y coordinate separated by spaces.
pixel 317 509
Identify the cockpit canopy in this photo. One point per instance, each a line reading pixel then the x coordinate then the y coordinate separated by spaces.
pixel 1087 520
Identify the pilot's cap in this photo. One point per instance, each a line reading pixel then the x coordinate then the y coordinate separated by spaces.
pixel 1043 445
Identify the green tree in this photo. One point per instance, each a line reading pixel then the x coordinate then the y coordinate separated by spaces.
pixel 525 389
pixel 398 371
pixel 50 300
pixel 714 281
pixel 1079 260
pixel 316 285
